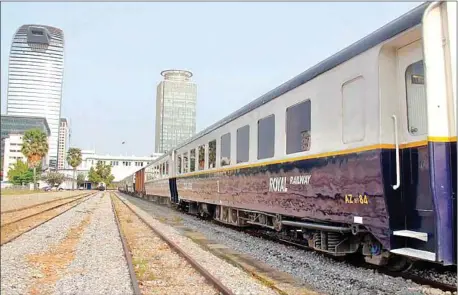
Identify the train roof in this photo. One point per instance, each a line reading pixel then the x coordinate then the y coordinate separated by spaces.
pixel 402 23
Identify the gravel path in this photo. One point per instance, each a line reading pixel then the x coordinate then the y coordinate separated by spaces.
pixel 232 277
pixel 322 273
pixel 11 202
pixel 40 261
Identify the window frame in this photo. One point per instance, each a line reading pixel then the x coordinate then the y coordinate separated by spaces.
pixel 258 134
pixel 286 125
pixel 237 145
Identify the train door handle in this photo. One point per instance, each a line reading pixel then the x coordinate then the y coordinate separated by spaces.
pixel 398 164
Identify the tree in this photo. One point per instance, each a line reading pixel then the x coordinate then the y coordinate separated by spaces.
pixel 101 173
pixel 53 178
pixel 34 148
pixel 20 173
pixel 74 159
pixel 80 179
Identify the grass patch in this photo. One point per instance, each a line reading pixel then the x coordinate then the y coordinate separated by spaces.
pixel 141 269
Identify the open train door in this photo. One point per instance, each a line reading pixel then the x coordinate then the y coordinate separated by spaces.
pixel 425 140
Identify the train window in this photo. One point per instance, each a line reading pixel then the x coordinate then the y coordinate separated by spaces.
pixel 202 157
pixel 243 144
pixel 225 150
pixel 212 154
pixel 266 137
pixel 167 168
pixel 185 162
pixel 353 110
pixel 416 99
pixel 179 164
pixel 298 127
pixel 192 159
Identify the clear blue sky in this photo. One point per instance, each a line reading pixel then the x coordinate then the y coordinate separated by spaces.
pixel 114 53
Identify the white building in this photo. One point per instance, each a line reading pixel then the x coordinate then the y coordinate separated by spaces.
pixel 175 109
pixel 12 152
pixel 121 166
pixel 17 126
pixel 64 132
pixel 35 76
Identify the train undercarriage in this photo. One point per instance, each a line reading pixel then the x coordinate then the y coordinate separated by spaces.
pixel 331 239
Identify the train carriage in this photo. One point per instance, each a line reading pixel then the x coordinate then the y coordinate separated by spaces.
pixel 157 180
pixel 357 153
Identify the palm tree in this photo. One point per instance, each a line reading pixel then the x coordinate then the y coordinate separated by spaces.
pixel 34 148
pixel 74 159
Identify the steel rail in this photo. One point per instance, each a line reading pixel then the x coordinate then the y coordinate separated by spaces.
pixel 44 203
pixel 49 219
pixel 127 254
pixel 405 275
pixel 75 198
pixel 207 275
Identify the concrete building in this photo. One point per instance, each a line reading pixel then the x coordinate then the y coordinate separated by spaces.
pixel 11 147
pixel 64 135
pixel 13 127
pixel 122 166
pixel 35 76
pixel 175 109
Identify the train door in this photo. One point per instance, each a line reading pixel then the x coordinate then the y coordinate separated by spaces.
pixel 413 163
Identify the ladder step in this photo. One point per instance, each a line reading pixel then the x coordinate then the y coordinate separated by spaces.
pixel 425 255
pixel 411 234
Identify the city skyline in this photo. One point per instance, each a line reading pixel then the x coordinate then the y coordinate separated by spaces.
pixel 234 63
pixel 35 77
pixel 175 109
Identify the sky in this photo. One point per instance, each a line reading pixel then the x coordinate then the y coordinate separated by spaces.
pixel 114 53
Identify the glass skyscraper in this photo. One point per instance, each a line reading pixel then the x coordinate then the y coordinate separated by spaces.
pixel 175 109
pixel 35 76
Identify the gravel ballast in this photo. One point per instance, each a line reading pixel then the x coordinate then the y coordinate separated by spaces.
pixel 78 252
pixel 158 268
pixel 232 277
pixel 322 273
pixel 99 266
pixel 16 273
pixel 13 202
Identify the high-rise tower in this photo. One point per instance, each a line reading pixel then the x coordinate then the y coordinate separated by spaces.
pixel 175 109
pixel 64 134
pixel 35 76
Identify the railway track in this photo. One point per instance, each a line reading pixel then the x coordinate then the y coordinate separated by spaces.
pixel 16 215
pixel 422 281
pixel 39 204
pixel 18 226
pixel 357 263
pixel 260 233
pixel 210 279
pixel 127 254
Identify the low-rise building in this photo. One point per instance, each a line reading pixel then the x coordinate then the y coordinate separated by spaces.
pixel 121 166
pixel 13 128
